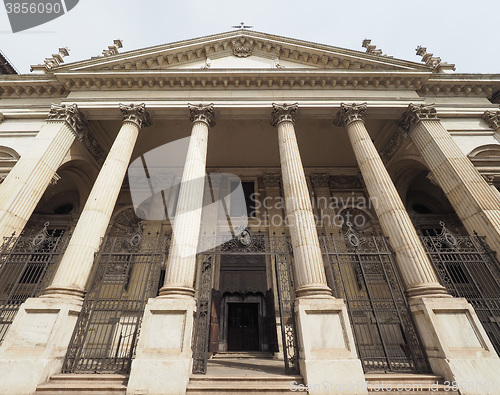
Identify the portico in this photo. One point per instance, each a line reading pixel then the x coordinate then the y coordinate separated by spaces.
pixel 227 237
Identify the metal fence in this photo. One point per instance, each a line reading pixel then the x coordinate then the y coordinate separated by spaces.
pixel 27 264
pixel 126 274
pixel 360 269
pixel 468 268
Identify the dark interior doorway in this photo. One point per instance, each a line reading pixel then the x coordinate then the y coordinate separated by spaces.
pixel 243 327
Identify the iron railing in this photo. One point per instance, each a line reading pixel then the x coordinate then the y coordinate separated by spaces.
pixel 27 264
pixel 126 274
pixel 360 269
pixel 468 268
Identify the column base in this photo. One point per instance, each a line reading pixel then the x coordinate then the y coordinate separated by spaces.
pixel 163 359
pixel 36 344
pixel 457 345
pixel 177 292
pixel 327 352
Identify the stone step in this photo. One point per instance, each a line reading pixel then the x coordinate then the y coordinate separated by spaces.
pixel 251 354
pixel 407 384
pixel 236 385
pixel 84 384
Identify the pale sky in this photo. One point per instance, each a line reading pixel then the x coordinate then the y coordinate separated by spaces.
pixel 461 32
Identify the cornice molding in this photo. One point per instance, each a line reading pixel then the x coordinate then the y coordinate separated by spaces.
pixel 283 113
pixel 349 113
pixel 136 114
pixel 62 83
pixel 202 113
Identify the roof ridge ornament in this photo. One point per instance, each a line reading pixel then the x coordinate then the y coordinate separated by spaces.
pixel 54 61
pixel 372 49
pixel 241 26
pixel 434 61
pixel 113 49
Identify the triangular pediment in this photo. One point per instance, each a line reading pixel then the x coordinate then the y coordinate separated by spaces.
pixel 242 49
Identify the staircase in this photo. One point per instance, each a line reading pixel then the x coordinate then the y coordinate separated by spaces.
pixel 407 384
pixel 243 373
pixel 84 384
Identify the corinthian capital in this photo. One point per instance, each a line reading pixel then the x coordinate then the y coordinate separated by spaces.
pixel 492 118
pixel 202 113
pixel 349 113
pixel 416 113
pixel 283 112
pixel 71 115
pixel 136 114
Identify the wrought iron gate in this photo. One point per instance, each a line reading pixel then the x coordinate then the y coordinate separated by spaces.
pixel 246 243
pixel 126 274
pixel 27 264
pixel 468 268
pixel 360 270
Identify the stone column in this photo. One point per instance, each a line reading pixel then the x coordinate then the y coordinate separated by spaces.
pixel 455 342
pixel 76 264
pixel 181 265
pixel 416 270
pixel 331 359
pixel 163 361
pixel 475 203
pixel 310 276
pixel 25 184
pixel 43 326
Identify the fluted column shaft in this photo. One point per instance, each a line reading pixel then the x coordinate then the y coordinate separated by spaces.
pixel 76 264
pixel 25 184
pixel 418 275
pixel 310 279
pixel 475 203
pixel 181 265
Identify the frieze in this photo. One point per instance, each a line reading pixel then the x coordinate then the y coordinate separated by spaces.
pixel 319 180
pixel 272 180
pixel 346 182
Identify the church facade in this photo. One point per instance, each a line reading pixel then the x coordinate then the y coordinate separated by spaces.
pixel 326 214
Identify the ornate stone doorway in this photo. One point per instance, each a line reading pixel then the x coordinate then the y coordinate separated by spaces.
pixel 236 311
